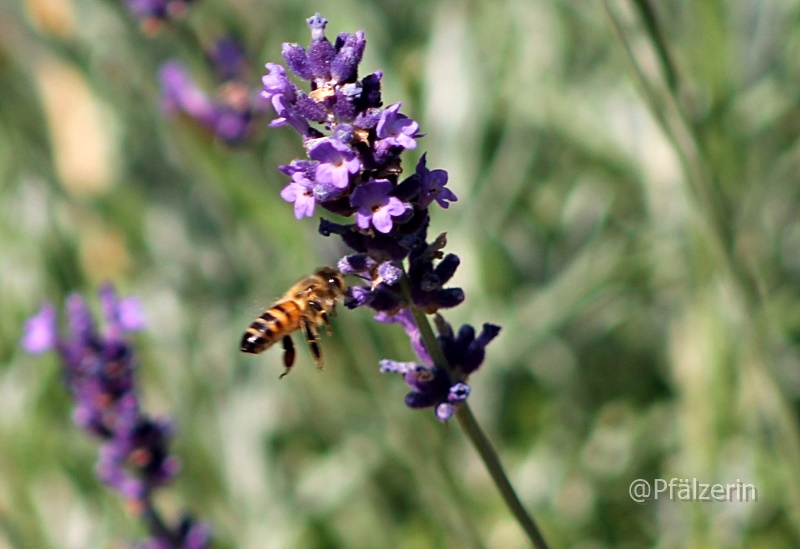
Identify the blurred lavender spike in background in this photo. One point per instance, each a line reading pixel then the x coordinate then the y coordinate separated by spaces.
pixel 99 370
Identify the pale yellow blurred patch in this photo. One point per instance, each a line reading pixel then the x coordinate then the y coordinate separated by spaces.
pixel 53 17
pixel 697 346
pixel 69 524
pixel 81 130
pixel 506 532
pixel 103 253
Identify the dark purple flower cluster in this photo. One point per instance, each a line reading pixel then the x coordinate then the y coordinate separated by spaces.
pixel 232 112
pixel 353 169
pixel 99 370
pixel 432 385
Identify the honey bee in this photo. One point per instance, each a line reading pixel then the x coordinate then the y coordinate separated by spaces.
pixel 311 301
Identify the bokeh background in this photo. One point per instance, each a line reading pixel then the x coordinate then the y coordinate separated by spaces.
pixel 627 174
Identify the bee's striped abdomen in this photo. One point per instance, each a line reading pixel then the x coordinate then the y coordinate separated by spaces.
pixel 276 322
pixel 309 303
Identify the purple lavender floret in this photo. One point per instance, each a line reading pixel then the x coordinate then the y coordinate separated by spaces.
pixel 396 130
pixel 357 264
pixel 430 387
pixel 40 333
pixel 466 351
pixel 99 370
pixel 337 161
pixel 301 192
pixel 376 206
pixel 357 146
pixel 320 52
pixel 344 67
pixel 276 82
pixel 432 186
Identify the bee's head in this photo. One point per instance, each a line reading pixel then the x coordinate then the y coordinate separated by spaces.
pixel 334 279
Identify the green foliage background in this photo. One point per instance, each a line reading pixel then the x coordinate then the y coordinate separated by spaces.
pixel 627 176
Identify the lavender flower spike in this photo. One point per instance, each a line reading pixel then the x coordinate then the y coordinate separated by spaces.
pixel 356 149
pixel 99 368
pixel 359 145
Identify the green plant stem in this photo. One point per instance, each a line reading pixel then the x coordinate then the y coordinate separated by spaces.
pixel 648 15
pixel 473 429
pixel 484 447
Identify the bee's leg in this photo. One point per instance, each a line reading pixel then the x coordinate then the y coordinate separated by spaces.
pixel 288 355
pixel 327 322
pixel 312 335
pixel 317 306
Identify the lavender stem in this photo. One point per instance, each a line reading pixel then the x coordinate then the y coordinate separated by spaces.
pixel 155 524
pixel 490 458
pixel 473 429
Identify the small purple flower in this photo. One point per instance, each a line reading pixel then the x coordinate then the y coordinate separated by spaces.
pixel 297 60
pixel 397 130
pixel 336 162
pixel 276 82
pixel 321 52
pixel 287 114
pixel 381 298
pixel 445 411
pixel 389 272
pixel 358 296
pixel 375 205
pixel 136 459
pixel 429 384
pixel 430 387
pixel 432 186
pixel 458 393
pixel 123 312
pixel 301 192
pixel 41 331
pixel 344 67
pixel 361 264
